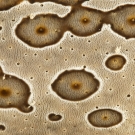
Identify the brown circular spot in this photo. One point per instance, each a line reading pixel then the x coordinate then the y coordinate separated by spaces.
pixel 85 20
pixel 41 30
pixel 76 85
pixel 131 21
pixel 5 92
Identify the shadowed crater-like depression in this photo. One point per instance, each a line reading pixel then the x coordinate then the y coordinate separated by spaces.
pixel 75 85
pixel 104 118
pixel 2 127
pixel 115 62
pixel 84 21
pixel 14 92
pixel 54 117
pixel 42 30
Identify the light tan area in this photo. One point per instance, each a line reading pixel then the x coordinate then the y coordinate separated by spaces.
pixel 40 67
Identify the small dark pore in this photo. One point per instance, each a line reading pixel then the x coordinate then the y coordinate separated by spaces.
pixel 105 118
pixel 54 117
pixel 5 92
pixel 2 127
pixel 41 30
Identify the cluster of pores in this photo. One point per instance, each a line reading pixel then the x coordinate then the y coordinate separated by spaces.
pixel 73 85
pixel 77 85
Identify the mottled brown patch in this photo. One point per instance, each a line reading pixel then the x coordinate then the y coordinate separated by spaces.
pixel 115 62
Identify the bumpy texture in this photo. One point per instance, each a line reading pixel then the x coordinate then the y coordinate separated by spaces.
pixel 41 31
pixel 40 65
